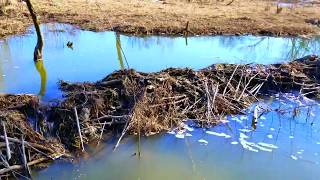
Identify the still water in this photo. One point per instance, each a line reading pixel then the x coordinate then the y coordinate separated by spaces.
pixel 94 55
pixel 285 145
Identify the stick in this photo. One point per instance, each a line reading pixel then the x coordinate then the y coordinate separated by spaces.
pixel 24 158
pixel 30 144
pixel 104 124
pixel 18 167
pixel 78 125
pixel 225 89
pixel 6 141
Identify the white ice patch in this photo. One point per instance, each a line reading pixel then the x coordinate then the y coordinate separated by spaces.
pixel 224 121
pixel 218 134
pixel 234 118
pixel 243 136
pixel 294 157
pixel 202 141
pixel 268 145
pixel 185 126
pixel 270 136
pixel 245 145
pixel 245 130
pixel 312 114
pixel 291 137
pixel 180 136
pixel 234 143
pixel 243 118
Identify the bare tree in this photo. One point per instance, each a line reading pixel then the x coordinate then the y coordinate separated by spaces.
pixel 38 49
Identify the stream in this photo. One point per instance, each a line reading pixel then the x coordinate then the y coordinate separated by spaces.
pixel 285 144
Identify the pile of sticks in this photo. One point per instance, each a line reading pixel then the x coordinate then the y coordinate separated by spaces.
pixel 140 103
pixel 22 145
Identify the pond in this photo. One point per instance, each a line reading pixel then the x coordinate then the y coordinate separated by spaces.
pixel 285 144
pixel 94 55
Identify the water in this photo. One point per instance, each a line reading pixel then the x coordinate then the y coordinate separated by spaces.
pixel 283 146
pixel 222 152
pixel 95 55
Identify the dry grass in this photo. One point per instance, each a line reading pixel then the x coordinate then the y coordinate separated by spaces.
pixel 166 17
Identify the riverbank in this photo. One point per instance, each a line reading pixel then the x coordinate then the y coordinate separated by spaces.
pixel 170 17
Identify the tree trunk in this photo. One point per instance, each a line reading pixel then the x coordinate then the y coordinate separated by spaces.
pixel 38 49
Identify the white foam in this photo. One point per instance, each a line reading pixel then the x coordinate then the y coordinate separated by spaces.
pixel 291 137
pixel 272 129
pixel 270 136
pixel 188 135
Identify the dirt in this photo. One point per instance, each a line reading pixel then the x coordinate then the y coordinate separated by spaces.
pixel 168 17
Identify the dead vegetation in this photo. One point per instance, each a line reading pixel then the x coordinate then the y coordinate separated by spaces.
pixel 23 137
pixel 167 17
pixel 140 103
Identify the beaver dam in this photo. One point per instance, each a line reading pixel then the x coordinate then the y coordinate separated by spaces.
pixel 142 104
pixel 64 109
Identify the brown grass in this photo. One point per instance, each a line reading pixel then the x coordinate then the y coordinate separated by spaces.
pixel 166 17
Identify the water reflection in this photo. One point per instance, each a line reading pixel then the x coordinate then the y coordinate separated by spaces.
pixel 119 52
pixel 97 54
pixel 43 76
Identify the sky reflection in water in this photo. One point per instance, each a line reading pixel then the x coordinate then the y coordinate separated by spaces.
pixel 95 55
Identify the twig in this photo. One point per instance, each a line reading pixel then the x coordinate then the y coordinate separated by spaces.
pixel 18 167
pixel 78 125
pixel 225 89
pixel 6 141
pixel 24 158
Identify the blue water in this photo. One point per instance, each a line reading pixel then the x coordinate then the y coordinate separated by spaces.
pixel 231 150
pixel 94 55
pixel 195 153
